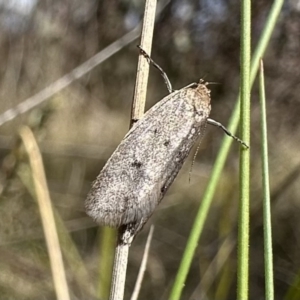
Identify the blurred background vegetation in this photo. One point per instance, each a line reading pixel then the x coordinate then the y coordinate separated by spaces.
pixel 78 129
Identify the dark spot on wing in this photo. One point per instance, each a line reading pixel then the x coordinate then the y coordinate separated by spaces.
pixel 137 164
pixel 163 189
pixel 167 143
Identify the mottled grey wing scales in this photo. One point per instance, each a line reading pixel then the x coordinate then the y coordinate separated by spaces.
pixel 141 169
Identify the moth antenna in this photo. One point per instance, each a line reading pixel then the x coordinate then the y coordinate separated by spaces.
pixel 208 83
pixel 162 72
pixel 215 123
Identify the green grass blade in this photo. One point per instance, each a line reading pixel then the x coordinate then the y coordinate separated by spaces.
pixel 107 249
pixel 244 204
pixel 268 253
pixel 265 37
pixel 220 160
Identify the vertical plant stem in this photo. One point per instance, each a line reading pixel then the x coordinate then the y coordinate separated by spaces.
pixel 243 235
pixel 140 90
pixel 119 271
pixel 47 216
pixel 268 253
pixel 202 213
pixel 138 108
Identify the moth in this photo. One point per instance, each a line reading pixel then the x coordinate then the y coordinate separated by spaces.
pixel 140 171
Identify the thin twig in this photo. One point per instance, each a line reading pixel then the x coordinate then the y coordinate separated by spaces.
pixel 138 108
pixel 67 79
pixel 47 216
pixel 142 270
pixel 75 74
pixel 214 268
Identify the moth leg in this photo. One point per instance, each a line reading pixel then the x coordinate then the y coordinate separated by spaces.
pixel 162 72
pixel 215 123
pixel 192 85
pixel 127 232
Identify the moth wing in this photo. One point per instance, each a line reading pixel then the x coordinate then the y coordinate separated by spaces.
pixel 132 182
pixel 148 115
